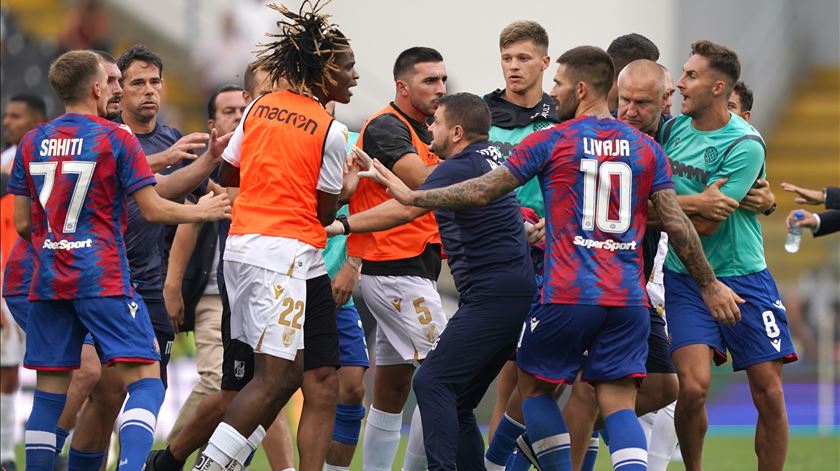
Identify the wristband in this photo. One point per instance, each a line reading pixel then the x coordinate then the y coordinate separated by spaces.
pixel 770 210
pixel 343 220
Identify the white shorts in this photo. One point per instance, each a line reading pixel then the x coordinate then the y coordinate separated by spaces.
pixel 12 340
pixel 268 309
pixel 408 314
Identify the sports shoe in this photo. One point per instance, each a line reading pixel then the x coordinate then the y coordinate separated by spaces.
pixel 523 444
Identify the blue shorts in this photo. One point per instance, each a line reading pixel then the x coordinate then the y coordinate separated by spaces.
pixel 555 336
pixel 761 335
pixel 351 338
pixel 659 356
pixel 19 306
pixel 119 325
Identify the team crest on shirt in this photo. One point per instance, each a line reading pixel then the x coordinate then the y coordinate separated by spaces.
pixel 238 369
pixel 710 155
pixel 288 335
pixel 397 303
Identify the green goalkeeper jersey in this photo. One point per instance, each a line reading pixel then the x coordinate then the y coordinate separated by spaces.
pixel 699 158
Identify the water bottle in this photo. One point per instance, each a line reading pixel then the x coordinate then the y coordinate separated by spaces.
pixel 794 236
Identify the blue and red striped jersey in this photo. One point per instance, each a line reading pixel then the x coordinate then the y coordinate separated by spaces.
pixel 596 177
pixel 18 271
pixel 78 171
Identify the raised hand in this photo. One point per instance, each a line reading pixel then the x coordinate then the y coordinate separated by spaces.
pixel 218 144
pixel 806 196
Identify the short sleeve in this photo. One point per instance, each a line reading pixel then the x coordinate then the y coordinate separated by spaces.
pixel 387 138
pixel 662 178
pixel 331 178
pixel 18 181
pixel 232 152
pixel 529 157
pixel 742 166
pixel 133 169
pixel 448 173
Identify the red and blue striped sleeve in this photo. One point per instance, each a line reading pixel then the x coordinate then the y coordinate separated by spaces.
pixel 529 157
pixel 19 182
pixel 662 179
pixel 132 166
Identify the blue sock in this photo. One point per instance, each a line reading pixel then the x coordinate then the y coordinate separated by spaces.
pixel 605 435
pixel 348 422
pixel 628 448
pixel 85 460
pixel 60 438
pixel 591 453
pixel 503 441
pixel 40 437
pixel 138 422
pixel 548 433
pixel 517 462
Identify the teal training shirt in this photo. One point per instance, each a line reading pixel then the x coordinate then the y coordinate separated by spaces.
pixel 335 253
pixel 699 158
pixel 529 194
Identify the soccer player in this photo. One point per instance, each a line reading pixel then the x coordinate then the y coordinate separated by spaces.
pixel 237 361
pixel 593 296
pixel 81 281
pixel 706 143
pixel 741 101
pixel 22 113
pixel 400 266
pixel 518 110
pixel 493 273
pixel 141 70
pixel 286 157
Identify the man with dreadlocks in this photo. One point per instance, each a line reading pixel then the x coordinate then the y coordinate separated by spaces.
pixel 286 156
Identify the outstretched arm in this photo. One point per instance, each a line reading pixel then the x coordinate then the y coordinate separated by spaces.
pixel 478 191
pixel 722 302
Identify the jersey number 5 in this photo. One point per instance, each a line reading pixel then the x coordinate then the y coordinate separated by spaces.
pixel 597 189
pixel 84 170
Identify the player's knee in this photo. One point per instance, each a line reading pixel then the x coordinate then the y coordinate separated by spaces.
pixel 666 391
pixel 87 377
pixel 423 384
pixel 769 399
pixel 352 393
pixel 321 385
pixel 693 393
pixel 348 422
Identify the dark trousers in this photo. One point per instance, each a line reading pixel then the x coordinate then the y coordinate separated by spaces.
pixel 469 354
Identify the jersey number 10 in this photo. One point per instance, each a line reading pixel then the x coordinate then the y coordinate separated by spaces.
pixel 47 169
pixel 597 192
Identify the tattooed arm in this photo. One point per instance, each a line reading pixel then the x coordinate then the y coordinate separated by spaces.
pixel 479 191
pixel 722 302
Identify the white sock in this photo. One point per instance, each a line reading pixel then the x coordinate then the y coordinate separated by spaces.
pixel 382 438
pixel 332 467
pixel 415 452
pixel 663 440
pixel 491 466
pixel 288 469
pixel 226 445
pixel 253 442
pixel 7 427
pixel 646 421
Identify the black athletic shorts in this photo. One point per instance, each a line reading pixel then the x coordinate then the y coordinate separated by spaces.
pixel 659 358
